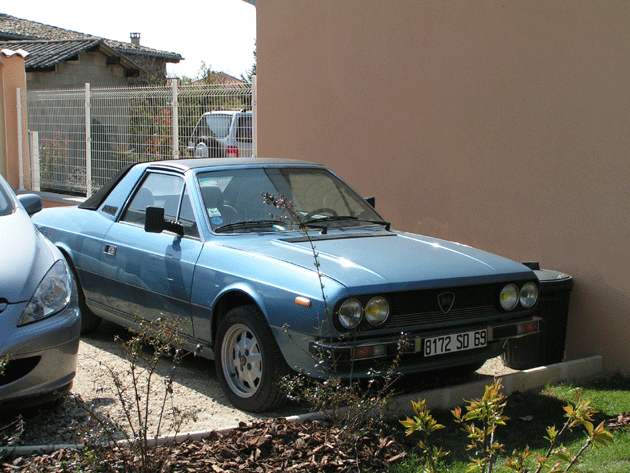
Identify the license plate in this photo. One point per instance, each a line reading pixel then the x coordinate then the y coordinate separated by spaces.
pixel 452 343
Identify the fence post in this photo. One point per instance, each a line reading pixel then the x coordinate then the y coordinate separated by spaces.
pixel 88 143
pixel 175 122
pixel 20 142
pixel 35 160
pixel 254 117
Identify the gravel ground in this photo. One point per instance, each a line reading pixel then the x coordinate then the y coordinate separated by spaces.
pixel 195 389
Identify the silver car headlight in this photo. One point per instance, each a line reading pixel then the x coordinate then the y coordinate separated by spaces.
pixel 509 296
pixel 350 313
pixel 51 296
pixel 529 295
pixel 377 311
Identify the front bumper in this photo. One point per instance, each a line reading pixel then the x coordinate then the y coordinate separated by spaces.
pixel 363 357
pixel 42 357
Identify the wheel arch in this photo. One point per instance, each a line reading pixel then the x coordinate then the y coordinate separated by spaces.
pixel 229 300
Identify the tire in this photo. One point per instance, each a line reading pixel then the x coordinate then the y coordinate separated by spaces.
pixel 248 361
pixel 89 320
pixel 209 148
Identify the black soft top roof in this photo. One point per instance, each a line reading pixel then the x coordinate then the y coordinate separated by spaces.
pixel 95 201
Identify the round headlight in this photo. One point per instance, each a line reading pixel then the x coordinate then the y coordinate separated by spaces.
pixel 509 297
pixel 377 311
pixel 529 295
pixel 350 313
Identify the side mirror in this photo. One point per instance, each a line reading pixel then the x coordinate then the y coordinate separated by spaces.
pixel 32 203
pixel 371 200
pixel 155 222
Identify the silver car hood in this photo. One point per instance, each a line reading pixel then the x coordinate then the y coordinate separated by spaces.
pixel 25 256
pixel 397 260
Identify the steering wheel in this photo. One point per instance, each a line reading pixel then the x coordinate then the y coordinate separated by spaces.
pixel 326 210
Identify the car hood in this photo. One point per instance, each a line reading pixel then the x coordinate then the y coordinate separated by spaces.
pixel 394 260
pixel 25 256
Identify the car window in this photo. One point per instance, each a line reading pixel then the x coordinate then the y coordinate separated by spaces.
pixel 6 204
pixel 214 125
pixel 244 128
pixel 157 190
pixel 187 217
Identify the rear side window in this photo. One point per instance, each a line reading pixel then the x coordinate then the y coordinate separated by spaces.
pixel 244 129
pixel 157 190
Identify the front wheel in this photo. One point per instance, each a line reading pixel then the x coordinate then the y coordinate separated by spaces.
pixel 248 361
pixel 89 320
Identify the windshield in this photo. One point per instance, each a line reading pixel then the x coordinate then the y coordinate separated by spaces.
pixel 234 202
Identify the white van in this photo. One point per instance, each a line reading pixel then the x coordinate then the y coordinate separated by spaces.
pixel 222 134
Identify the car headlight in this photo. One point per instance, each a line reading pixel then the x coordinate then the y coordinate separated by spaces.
pixel 377 311
pixel 350 313
pixel 509 296
pixel 52 295
pixel 529 295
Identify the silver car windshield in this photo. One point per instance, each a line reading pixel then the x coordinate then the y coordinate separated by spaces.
pixel 234 200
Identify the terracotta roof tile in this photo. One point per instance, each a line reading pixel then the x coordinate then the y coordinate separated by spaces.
pixel 12 28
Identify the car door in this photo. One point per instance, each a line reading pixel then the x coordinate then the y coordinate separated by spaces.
pixel 151 273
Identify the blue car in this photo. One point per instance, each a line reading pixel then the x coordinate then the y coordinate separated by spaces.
pixel 40 321
pixel 319 284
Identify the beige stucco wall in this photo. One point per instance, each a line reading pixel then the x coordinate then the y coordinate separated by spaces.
pixel 503 125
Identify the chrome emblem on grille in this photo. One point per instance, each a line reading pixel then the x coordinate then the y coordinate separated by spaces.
pixel 445 301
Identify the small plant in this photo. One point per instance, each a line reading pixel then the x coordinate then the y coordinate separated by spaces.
pixel 346 403
pixel 480 422
pixel 148 345
pixel 424 423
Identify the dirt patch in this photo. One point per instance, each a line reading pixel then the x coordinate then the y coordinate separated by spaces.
pixel 195 389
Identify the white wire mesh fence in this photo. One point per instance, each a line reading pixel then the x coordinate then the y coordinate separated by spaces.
pixel 81 138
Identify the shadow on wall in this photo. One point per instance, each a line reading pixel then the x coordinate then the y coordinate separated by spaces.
pixel 594 294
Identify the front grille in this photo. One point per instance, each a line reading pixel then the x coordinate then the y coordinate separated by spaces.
pixel 417 308
pixel 437 317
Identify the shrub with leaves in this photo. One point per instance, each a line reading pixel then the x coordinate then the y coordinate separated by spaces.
pixel 138 393
pixel 480 422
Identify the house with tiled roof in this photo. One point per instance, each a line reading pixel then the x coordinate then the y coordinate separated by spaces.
pixel 60 58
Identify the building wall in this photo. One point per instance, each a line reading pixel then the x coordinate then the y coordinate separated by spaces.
pixel 502 125
pixel 91 67
pixel 12 78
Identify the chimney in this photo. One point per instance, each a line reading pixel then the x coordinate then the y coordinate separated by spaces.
pixel 135 38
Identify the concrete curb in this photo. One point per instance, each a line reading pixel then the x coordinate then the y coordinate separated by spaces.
pixel 535 378
pixel 400 407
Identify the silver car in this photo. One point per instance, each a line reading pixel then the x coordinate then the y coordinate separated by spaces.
pixel 40 322
pixel 222 134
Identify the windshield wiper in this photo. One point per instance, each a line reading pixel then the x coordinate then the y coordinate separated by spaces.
pixel 321 222
pixel 330 218
pixel 245 224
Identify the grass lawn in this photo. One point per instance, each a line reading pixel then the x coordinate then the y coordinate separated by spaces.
pixel 530 414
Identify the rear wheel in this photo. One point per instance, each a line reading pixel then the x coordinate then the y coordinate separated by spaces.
pixel 248 361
